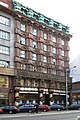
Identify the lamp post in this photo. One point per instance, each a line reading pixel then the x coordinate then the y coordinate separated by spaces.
pixel 67 70
pixel 67 88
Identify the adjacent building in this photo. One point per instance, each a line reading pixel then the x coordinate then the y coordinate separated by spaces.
pixel 34 56
pixel 75 74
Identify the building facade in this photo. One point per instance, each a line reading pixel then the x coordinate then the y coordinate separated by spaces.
pixel 36 56
pixel 75 74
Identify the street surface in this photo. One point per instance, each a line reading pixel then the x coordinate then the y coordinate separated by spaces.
pixel 52 115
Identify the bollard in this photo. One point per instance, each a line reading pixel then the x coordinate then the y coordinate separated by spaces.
pixel 78 118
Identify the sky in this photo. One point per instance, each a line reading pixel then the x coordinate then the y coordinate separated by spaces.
pixel 63 11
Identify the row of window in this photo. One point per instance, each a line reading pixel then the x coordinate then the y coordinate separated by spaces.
pixel 5 35
pixel 45 47
pixel 35 83
pixel 35 57
pixel 45 35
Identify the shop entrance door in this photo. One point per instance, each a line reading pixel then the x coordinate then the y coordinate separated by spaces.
pixel 47 99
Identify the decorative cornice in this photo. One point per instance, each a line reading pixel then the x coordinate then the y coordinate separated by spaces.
pixel 39 17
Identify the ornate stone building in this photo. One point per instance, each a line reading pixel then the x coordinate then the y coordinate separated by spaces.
pixel 37 58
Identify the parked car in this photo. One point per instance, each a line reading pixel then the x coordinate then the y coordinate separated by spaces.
pixel 10 109
pixel 1 110
pixel 73 107
pixel 56 107
pixel 27 108
pixel 44 108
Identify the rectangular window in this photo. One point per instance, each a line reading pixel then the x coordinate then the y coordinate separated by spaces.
pixel 44 59
pixel 34 57
pixel 45 47
pixel 22 53
pixel 34 31
pixel 44 70
pixel 54 50
pixel 4 63
pixel 4 35
pixel 23 66
pixel 53 39
pixel 34 44
pixel 54 61
pixel 45 36
pixel 62 63
pixel 54 72
pixel 4 50
pixel 62 52
pixel 4 82
pixel 4 20
pixel 61 41
pixel 22 27
pixel 22 40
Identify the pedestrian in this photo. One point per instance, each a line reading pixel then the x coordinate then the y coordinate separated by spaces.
pixel 37 107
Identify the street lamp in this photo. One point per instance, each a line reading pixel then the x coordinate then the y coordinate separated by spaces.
pixel 67 70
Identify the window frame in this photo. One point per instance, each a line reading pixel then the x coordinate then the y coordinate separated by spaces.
pixel 4 20
pixel 4 33
pixel 22 27
pixel 22 55
pixel 4 50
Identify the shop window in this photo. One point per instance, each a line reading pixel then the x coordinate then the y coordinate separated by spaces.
pixel 4 82
pixel 22 82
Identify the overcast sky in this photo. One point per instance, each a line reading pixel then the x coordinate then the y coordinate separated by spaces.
pixel 64 11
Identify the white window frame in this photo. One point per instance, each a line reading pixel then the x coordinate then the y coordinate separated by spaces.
pixel 4 63
pixel 4 20
pixel 4 50
pixel 4 35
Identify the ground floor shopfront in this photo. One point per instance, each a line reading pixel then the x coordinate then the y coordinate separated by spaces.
pixel 38 95
pixel 31 88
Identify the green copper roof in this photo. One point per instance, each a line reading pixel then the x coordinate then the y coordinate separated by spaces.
pixel 39 17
